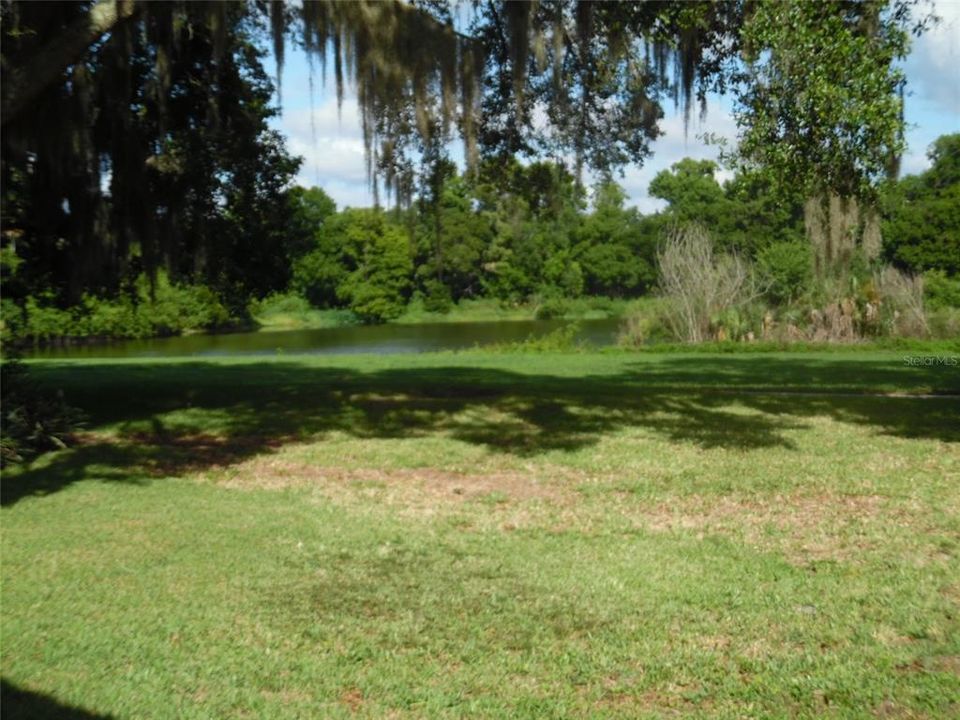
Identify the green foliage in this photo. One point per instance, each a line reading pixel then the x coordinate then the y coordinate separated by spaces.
pixel 32 420
pixel 786 270
pixel 921 227
pixel 140 311
pixel 690 189
pixel 746 214
pixel 153 150
pixel 647 323
pixel 377 286
pixel 360 260
pixel 437 297
pixel 289 311
pixel 562 276
pixel 941 291
pixel 615 246
pixel 318 274
pixel 820 105
pixel 563 339
pixel 551 308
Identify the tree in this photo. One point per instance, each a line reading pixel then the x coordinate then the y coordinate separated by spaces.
pixel 362 261
pixel 820 108
pixel 818 100
pixel 746 214
pixel 692 193
pixel 922 213
pixel 143 160
pixel 453 236
pixel 611 247
pixel 377 289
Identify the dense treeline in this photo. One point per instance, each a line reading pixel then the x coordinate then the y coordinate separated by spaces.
pixel 521 233
pixel 144 193
pixel 514 233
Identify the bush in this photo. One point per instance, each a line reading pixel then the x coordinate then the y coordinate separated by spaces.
pixel 901 303
pixel 279 304
pixel 551 308
pixel 173 309
pixel 436 297
pixel 786 269
pixel 647 324
pixel 563 339
pixel 317 275
pixel 701 286
pixel 31 419
pixel 945 323
pixel 941 291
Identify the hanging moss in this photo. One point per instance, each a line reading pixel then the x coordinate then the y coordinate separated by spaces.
pixel 417 79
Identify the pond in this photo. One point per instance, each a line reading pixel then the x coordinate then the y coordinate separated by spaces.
pixel 380 339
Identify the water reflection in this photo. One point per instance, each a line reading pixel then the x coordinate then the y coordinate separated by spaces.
pixel 379 339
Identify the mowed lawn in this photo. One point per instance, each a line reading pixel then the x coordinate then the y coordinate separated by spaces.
pixel 582 535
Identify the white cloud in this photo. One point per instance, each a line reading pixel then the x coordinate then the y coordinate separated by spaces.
pixel 675 144
pixel 932 64
pixel 331 145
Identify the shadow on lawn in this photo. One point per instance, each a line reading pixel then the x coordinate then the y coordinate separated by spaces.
pixel 18 703
pixel 230 412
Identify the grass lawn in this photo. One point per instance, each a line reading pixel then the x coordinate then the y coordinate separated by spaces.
pixel 490 535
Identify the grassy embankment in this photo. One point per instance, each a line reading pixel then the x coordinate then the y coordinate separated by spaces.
pixel 289 312
pixel 491 535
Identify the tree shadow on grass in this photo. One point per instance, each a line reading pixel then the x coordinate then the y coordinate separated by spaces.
pixel 172 418
pixel 18 703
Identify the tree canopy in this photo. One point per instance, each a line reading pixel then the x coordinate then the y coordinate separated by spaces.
pixel 135 132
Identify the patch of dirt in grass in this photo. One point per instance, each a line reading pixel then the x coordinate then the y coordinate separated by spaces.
pixel 949 664
pixel 422 488
pixel 352 698
pixel 890 710
pixel 807 528
pixel 667 702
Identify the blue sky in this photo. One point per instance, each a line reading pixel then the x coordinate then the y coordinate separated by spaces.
pixel 331 144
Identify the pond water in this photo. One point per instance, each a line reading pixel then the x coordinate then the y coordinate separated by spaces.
pixel 380 339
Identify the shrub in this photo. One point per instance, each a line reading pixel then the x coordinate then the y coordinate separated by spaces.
pixel 551 308
pixel 279 303
pixel 172 309
pixel 901 299
pixel 436 297
pixel 941 291
pixel 786 269
pixel 317 275
pixel 563 339
pixel 945 323
pixel 700 284
pixel 31 419
pixel 647 324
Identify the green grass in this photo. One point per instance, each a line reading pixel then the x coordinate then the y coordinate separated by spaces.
pixel 491 310
pixel 290 312
pixel 599 535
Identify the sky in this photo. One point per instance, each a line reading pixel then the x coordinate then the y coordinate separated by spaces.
pixel 332 146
